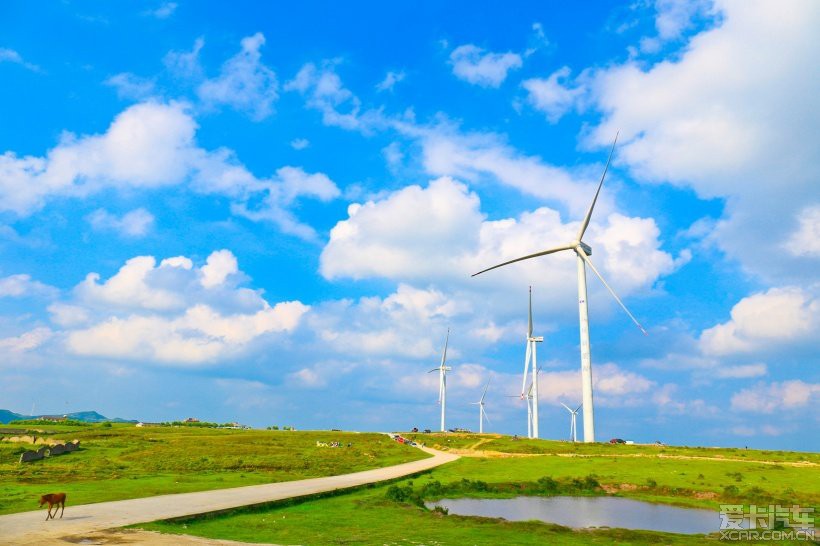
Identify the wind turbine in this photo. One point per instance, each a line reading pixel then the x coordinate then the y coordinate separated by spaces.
pixel 481 413
pixel 532 392
pixel 442 380
pixel 583 252
pixel 574 414
pixel 528 397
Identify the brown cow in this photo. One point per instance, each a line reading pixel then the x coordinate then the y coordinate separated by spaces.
pixel 53 499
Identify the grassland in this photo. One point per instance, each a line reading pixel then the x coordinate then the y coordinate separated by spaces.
pixel 692 477
pixel 122 461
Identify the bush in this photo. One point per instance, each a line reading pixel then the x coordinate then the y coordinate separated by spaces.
pixel 651 483
pixel 730 491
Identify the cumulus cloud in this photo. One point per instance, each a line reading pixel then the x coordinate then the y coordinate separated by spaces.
pixel 778 396
pixel 22 285
pixel 135 223
pixel 480 67
pixel 172 312
pixel 244 83
pixel 27 341
pixel 553 95
pixel 613 386
pixel 439 233
pixel 151 145
pixel 766 322
pixel 720 118
pixel 805 240
pixel 185 64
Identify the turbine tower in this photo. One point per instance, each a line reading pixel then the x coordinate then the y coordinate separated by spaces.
pixel 574 414
pixel 442 380
pixel 532 393
pixel 481 413
pixel 583 252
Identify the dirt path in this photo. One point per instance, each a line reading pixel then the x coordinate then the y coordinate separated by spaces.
pixel 28 528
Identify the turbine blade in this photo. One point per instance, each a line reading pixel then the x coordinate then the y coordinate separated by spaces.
pixel 487 386
pixel 566 406
pixel 485 415
pixel 529 324
pixel 579 407
pixel 611 291
pixel 527 257
pixel 434 370
pixel 585 223
pixel 444 354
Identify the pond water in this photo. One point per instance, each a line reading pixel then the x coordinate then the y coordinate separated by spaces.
pixel 584 512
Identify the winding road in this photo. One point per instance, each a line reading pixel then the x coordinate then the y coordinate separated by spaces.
pixel 29 528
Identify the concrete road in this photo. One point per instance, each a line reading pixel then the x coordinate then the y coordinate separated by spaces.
pixel 28 528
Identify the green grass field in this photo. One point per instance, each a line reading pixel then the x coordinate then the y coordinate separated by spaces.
pixel 370 517
pixel 123 461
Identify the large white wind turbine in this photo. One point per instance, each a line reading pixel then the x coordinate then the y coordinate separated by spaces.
pixel 532 393
pixel 481 413
pixel 442 380
pixel 583 252
pixel 574 413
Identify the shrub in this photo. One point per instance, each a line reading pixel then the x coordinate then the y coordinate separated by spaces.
pixel 651 483
pixel 730 491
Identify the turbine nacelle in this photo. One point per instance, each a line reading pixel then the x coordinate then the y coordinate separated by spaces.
pixel 585 248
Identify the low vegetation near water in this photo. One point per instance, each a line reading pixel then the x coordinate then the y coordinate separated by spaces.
pixel 121 461
pixel 394 513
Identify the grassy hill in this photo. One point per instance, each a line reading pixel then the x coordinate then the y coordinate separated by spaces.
pixel 7 416
pixel 498 466
pixel 122 461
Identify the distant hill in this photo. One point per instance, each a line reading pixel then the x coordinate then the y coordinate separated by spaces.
pixel 7 416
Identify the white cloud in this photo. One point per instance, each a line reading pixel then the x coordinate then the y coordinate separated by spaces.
pixel 775 397
pixel 613 386
pixel 219 266
pixel 131 86
pixel 390 80
pixel 164 11
pixel 766 322
pixel 480 156
pixel 245 83
pixel 552 95
pixel 135 223
pixel 732 116
pixel 11 56
pixel 26 341
pixel 152 145
pixel 742 371
pixel 185 64
pixel 439 233
pixel 397 325
pixel 173 313
pixel 673 17
pixel 299 143
pixel 323 89
pixel 805 240
pixel 22 285
pixel 485 68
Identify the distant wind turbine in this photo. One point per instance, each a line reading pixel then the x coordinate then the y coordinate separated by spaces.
pixel 482 414
pixel 583 252
pixel 442 380
pixel 532 393
pixel 574 414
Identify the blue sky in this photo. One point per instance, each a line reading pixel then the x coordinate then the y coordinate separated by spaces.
pixel 270 213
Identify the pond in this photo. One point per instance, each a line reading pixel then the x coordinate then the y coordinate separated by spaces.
pixel 585 512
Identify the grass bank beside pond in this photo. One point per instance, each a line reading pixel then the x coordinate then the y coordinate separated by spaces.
pixel 390 513
pixel 123 461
